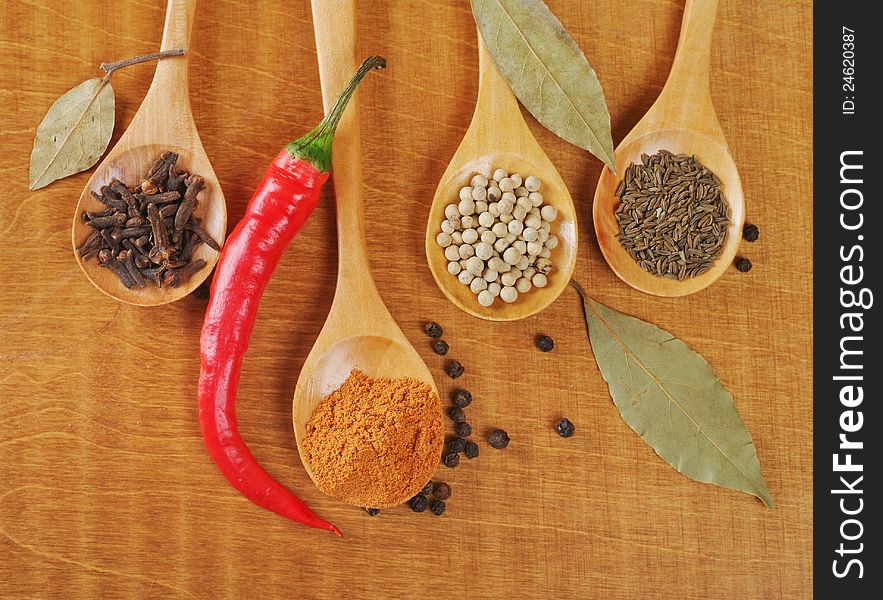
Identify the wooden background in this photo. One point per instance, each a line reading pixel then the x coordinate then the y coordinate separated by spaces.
pixel 105 488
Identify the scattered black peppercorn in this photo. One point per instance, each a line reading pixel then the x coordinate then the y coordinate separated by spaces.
pixel 452 459
pixel 471 450
pixel 454 369
pixel 437 507
pixel 442 491
pixel 433 330
pixel 463 429
pixel 462 398
pixel 418 503
pixel 372 511
pixel 498 439
pixel 545 343
pixel 457 415
pixel 457 444
pixel 750 232
pixel 427 489
pixel 565 428
pixel 743 265
pixel 440 347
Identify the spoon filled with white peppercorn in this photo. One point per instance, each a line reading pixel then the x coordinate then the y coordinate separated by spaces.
pixel 502 207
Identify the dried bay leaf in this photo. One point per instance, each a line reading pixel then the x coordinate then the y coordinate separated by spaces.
pixel 74 133
pixel 547 71
pixel 669 395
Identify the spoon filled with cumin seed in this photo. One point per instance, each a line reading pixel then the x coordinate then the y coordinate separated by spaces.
pixel 159 151
pixel 670 220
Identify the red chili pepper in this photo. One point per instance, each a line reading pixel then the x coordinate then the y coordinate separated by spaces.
pixel 284 199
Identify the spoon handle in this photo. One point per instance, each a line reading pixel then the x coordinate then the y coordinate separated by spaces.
pixel 686 98
pixel 334 27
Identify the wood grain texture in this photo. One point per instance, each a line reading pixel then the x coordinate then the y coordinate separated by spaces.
pixel 105 488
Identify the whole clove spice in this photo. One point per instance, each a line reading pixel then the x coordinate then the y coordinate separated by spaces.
pixel 149 234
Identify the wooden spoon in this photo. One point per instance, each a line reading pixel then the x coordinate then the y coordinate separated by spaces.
pixel 682 120
pixel 499 137
pixel 163 122
pixel 359 332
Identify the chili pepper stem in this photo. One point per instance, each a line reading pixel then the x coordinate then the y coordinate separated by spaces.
pixel 315 147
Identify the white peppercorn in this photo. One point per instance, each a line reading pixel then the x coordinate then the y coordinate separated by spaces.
pixel 494 288
pixel 523 285
pixel 539 280
pixel 525 204
pixel 536 198
pixel 484 250
pixel 530 235
pixel 546 226
pixel 467 222
pixel 500 174
pixel 478 284
pixel 518 213
pixel 470 236
pixel 498 264
pixel 480 207
pixel 475 265
pixel 532 183
pixel 523 263
pixel 509 294
pixel 466 193
pixel 452 252
pixel 451 211
pixel 489 275
pixel 516 179
pixel 479 193
pixel 494 209
pixel 466 251
pixel 506 205
pixel 552 242
pixel 508 279
pixel 488 237
pixel 521 192
pixel 528 272
pixel 515 227
pixel 542 236
pixel 546 253
pixel 454 267
pixel 443 239
pixel 479 180
pixel 511 256
pixel 520 245
pixel 486 219
pixel 509 197
pixel 457 237
pixel 511 237
pixel 494 193
pixel 465 277
pixel 507 184
pixel 534 248
pixel 500 245
pixel 532 221
pixel 550 213
pixel 485 298
pixel 466 207
pixel 446 227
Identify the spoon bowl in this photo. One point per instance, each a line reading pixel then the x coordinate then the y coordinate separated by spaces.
pixel 710 152
pixel 682 121
pixel 164 122
pixel 498 137
pixel 129 166
pixel 359 332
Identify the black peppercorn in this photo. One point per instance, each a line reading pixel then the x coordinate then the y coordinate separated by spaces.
pixel 471 450
pixel 437 507
pixel 452 459
pixel 440 347
pixel 463 429
pixel 454 369
pixel 442 491
pixel 750 232
pixel 743 265
pixel 564 428
pixel 372 511
pixel 545 343
pixel 433 330
pixel 457 415
pixel 457 444
pixel 418 503
pixel 462 398
pixel 498 439
pixel 427 489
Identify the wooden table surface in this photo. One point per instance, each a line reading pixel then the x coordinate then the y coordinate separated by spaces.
pixel 105 487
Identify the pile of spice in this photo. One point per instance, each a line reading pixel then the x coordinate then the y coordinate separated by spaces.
pixel 672 215
pixel 498 238
pixel 149 233
pixel 374 442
